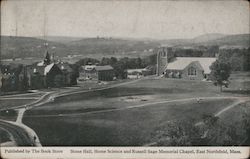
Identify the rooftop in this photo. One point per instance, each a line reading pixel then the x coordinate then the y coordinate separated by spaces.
pixel 182 62
pixel 105 67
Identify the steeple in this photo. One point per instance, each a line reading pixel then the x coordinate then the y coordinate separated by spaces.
pixel 47 59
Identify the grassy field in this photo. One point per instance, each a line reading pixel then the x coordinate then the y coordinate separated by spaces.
pixel 59 123
pixel 145 91
pixel 117 128
pixel 9 114
pixel 237 117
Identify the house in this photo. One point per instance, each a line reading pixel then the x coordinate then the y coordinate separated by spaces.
pixel 93 72
pixel 193 68
pixel 105 73
pixel 44 76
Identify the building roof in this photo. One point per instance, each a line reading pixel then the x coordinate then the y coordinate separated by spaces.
pixel 182 62
pixel 197 64
pixel 40 63
pixel 103 68
pixel 48 68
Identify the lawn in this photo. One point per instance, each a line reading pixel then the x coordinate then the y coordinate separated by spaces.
pixel 130 127
pixel 57 124
pixel 145 91
pixel 237 118
pixel 8 114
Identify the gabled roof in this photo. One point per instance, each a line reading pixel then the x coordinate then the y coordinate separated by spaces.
pixel 197 64
pixel 182 62
pixel 48 68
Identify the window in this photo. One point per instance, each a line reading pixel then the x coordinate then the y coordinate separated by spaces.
pixel 192 71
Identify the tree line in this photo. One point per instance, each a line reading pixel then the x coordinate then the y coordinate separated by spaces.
pixel 120 65
pixel 239 59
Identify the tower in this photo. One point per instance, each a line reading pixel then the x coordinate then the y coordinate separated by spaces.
pixel 47 59
pixel 162 61
pixel 163 56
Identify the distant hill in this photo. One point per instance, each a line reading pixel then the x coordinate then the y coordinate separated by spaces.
pixel 207 37
pixel 60 39
pixel 241 40
pixel 16 47
pixel 20 47
pixel 232 40
pixel 112 45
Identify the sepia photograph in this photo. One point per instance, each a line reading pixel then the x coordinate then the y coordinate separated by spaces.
pixel 138 73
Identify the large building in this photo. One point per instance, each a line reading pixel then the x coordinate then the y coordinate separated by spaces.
pixel 49 73
pixel 44 76
pixel 193 68
pixel 93 72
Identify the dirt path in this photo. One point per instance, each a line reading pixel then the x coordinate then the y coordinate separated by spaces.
pixel 239 101
pixel 20 115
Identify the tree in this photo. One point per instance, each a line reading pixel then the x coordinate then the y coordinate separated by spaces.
pixel 220 72
pixel 176 133
pixel 85 61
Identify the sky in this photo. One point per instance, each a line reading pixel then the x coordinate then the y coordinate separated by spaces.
pixel 132 19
